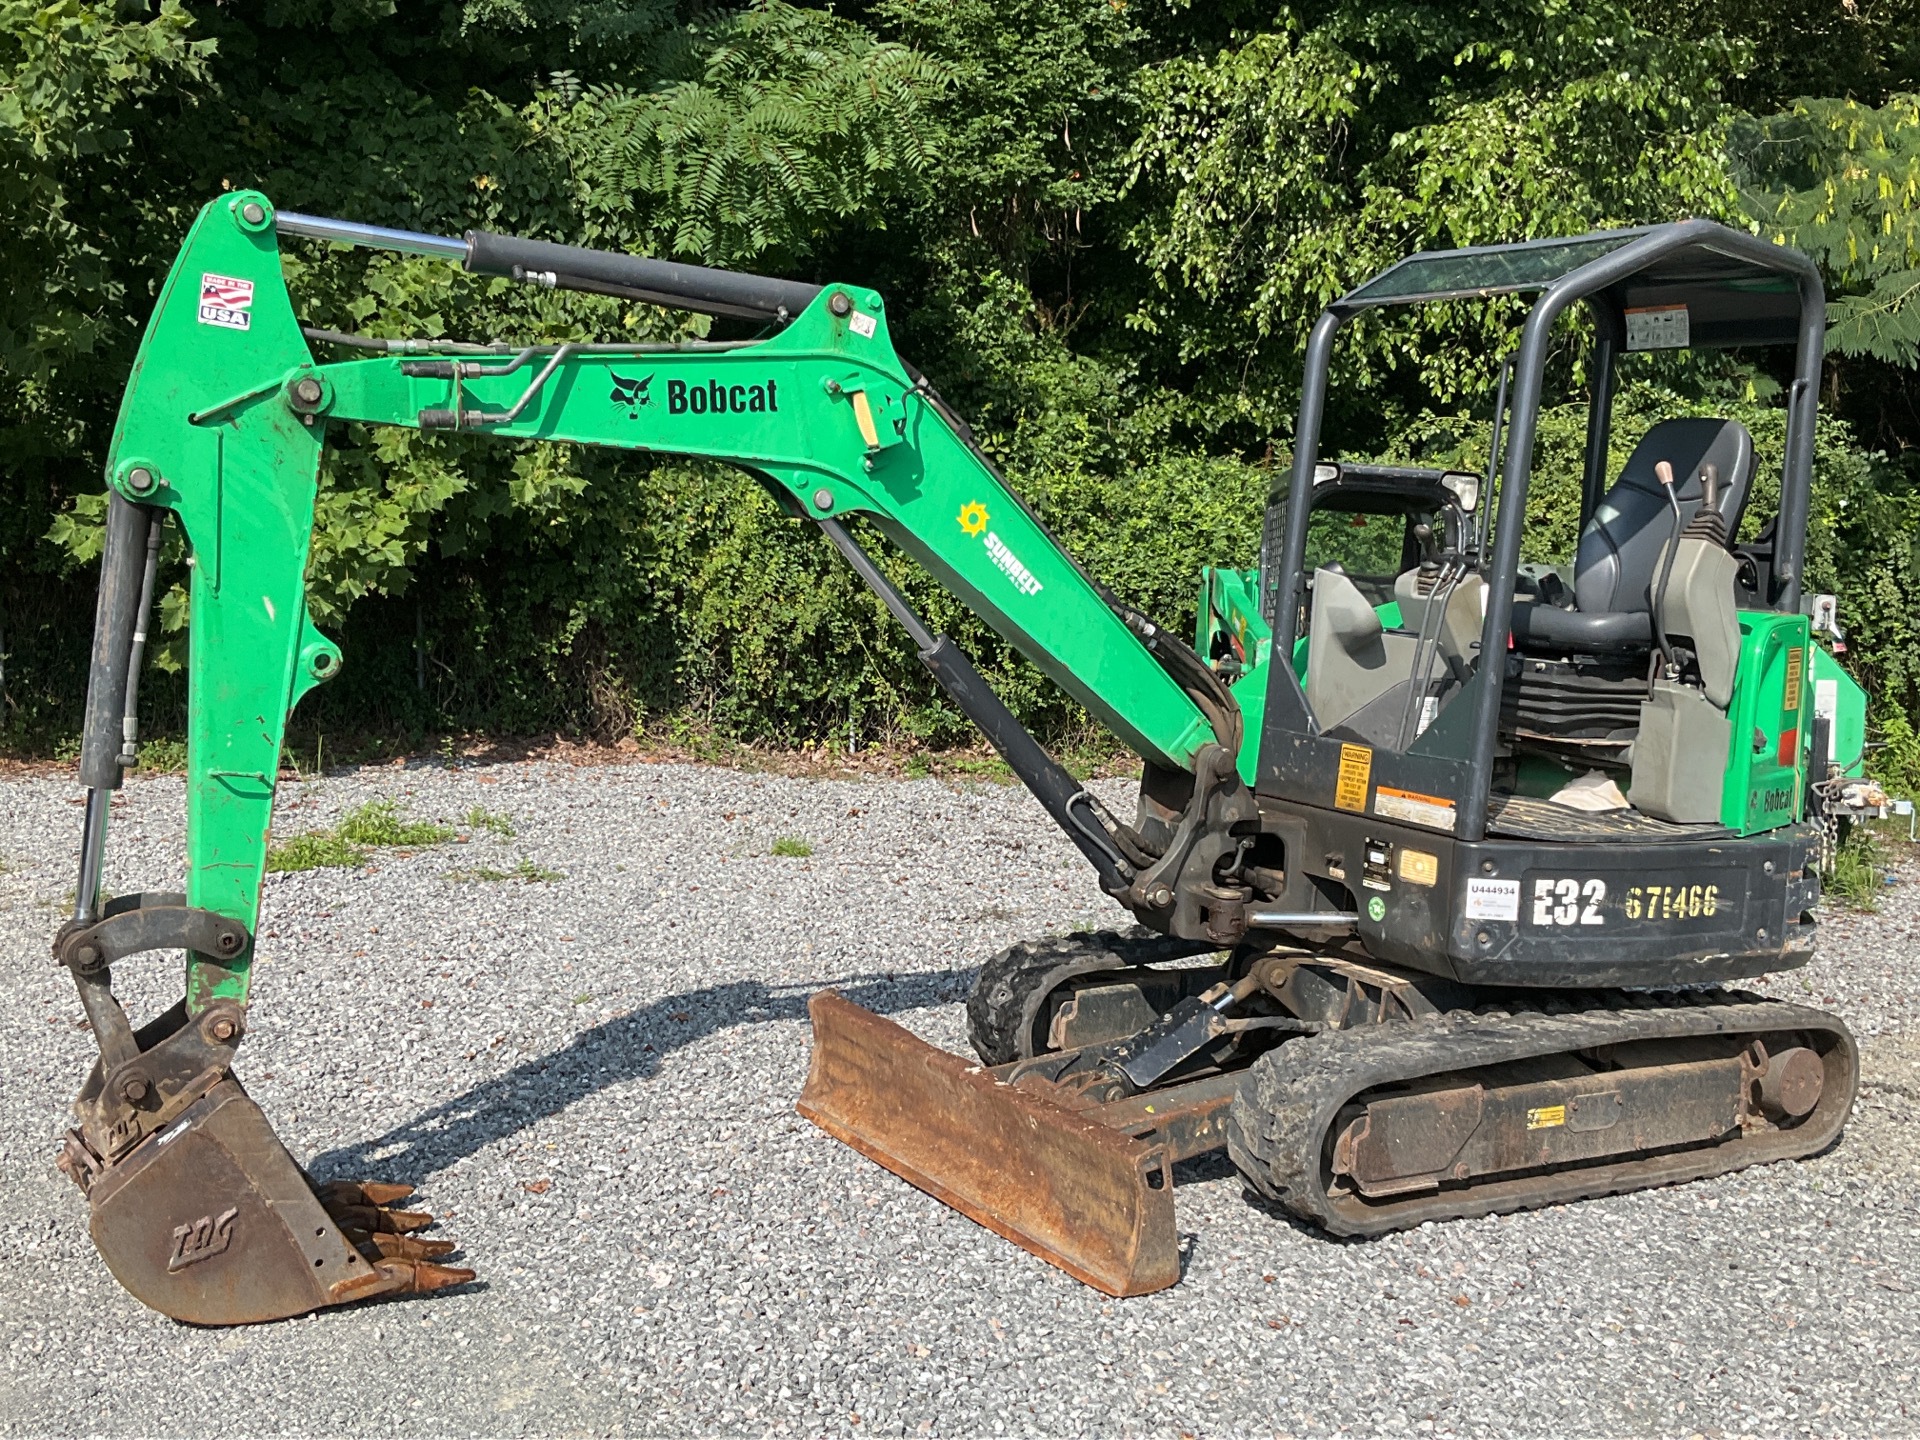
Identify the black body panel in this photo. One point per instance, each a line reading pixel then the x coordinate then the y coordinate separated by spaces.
pixel 1555 915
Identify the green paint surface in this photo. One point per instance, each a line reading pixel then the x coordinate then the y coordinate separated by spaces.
pixel 1771 712
pixel 823 411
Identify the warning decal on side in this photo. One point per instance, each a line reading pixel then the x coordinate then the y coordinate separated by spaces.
pixel 1356 769
pixel 1434 811
pixel 1547 1117
pixel 226 302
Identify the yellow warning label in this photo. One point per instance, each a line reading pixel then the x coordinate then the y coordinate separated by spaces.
pixel 1796 665
pixel 1356 768
pixel 1417 867
pixel 1546 1117
pixel 863 417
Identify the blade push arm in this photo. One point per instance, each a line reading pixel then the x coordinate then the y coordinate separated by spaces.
pixel 223 423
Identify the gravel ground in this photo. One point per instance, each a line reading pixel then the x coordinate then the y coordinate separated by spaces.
pixel 592 1079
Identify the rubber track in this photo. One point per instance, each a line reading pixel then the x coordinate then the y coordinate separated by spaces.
pixel 1291 1097
pixel 1012 986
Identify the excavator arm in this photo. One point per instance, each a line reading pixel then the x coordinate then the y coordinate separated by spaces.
pixel 222 429
pixel 225 418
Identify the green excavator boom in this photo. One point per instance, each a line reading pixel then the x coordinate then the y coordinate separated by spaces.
pixel 222 430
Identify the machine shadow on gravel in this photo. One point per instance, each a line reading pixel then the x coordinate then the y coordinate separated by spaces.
pixel 628 1047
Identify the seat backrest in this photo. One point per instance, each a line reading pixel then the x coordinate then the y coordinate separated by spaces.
pixel 1351 659
pixel 1619 549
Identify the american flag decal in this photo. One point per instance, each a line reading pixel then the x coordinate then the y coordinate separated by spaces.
pixel 226 302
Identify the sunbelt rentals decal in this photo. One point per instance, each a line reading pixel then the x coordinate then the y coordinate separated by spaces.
pixel 973 520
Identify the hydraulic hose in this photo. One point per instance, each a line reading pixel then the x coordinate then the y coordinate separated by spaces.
pixel 637 277
pixel 1193 675
pixel 1072 806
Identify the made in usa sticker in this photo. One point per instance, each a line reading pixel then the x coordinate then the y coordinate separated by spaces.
pixel 226 302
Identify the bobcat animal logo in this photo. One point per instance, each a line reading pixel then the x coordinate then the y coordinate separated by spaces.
pixel 631 394
pixel 201 1239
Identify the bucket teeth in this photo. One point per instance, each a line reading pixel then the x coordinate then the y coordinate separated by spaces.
pixel 419 1277
pixel 360 1192
pixel 366 1206
pixel 378 1218
pixel 379 1245
pixel 405 1263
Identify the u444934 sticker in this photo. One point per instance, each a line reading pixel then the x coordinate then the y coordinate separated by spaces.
pixel 226 302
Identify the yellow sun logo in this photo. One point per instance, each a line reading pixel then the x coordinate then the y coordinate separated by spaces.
pixel 973 517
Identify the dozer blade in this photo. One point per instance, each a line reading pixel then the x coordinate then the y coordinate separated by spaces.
pixel 210 1221
pixel 1080 1195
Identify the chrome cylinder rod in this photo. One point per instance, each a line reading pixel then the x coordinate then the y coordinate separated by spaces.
pixel 371 237
pixel 1303 920
pixel 93 853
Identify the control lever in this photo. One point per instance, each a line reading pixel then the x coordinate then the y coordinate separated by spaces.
pixel 1429 552
pixel 1663 471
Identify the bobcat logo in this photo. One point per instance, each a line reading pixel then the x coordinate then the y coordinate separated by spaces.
pixel 631 394
pixel 202 1239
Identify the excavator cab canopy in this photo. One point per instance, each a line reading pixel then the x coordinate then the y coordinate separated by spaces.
pixel 1694 284
pixel 1730 298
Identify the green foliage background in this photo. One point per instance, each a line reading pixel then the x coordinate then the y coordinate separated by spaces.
pixel 1104 227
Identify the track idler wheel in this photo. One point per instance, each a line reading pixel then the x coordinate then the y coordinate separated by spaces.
pixel 1020 992
pixel 210 1221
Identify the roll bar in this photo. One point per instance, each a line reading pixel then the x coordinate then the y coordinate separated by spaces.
pixel 1637 252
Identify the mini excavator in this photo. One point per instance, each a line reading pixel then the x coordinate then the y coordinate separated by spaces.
pixel 1441 862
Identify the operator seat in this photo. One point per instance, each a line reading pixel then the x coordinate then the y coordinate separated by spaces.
pixel 1616 566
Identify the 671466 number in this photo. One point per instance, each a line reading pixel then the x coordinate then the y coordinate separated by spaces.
pixel 1572 900
pixel 1672 902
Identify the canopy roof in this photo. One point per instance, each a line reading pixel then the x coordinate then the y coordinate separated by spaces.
pixel 1728 287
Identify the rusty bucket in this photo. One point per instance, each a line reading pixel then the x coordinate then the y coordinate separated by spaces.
pixel 210 1221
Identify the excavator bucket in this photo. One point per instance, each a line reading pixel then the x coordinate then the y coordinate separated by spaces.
pixel 1079 1194
pixel 209 1220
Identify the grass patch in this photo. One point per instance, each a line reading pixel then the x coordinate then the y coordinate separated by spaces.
pixel 491 821
pixel 164 754
pixel 525 871
pixel 377 825
pixel 990 768
pixel 793 847
pixel 1855 876
pixel 315 850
